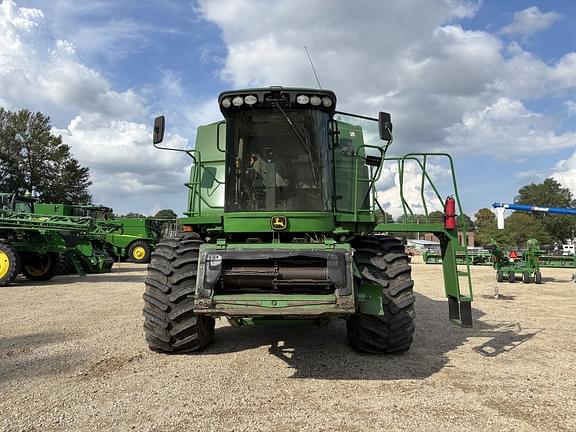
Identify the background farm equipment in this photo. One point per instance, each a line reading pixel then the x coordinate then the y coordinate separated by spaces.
pixel 564 258
pixel 471 257
pixel 38 245
pixel 525 266
pixel 132 238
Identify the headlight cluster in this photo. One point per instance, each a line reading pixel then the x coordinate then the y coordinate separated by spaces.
pixel 314 100
pixel 301 99
pixel 239 101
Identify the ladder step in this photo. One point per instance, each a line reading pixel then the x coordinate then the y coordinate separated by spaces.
pixel 463 273
pixel 77 264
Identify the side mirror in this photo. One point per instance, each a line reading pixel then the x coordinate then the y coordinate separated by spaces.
pixel 373 160
pixel 385 126
pixel 159 124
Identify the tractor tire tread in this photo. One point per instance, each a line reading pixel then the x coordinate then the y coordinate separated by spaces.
pixel 170 324
pixel 382 261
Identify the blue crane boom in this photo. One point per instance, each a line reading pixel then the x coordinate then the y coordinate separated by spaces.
pixel 529 208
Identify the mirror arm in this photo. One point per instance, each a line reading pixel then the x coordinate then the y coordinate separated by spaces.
pixel 188 152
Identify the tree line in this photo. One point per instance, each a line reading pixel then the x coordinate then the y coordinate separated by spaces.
pixel 34 159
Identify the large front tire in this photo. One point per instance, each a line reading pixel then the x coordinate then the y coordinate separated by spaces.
pixel 382 261
pixel 170 324
pixel 9 264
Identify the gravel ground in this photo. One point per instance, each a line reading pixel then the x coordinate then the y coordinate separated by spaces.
pixel 73 357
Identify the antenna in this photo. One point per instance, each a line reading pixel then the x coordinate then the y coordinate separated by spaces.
pixel 312 64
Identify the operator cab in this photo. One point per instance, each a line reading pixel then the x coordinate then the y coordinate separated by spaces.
pixel 277 149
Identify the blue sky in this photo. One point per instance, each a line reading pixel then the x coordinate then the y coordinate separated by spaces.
pixel 493 83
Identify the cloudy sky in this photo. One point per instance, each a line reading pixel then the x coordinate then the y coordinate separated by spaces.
pixel 493 83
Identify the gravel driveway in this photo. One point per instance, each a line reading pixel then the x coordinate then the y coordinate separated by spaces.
pixel 72 357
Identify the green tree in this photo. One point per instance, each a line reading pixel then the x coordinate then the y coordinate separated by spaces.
pixel 32 158
pixel 384 217
pixel 485 222
pixel 550 193
pixel 436 217
pixel 134 215
pixel 165 214
pixel 520 227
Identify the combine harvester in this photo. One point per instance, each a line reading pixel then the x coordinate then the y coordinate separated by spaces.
pixel 281 227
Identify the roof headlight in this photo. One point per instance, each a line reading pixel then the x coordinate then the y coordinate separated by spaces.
pixel 315 100
pixel 226 102
pixel 326 101
pixel 302 99
pixel 250 100
pixel 238 101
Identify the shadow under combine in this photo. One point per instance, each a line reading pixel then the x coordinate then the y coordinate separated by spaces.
pixel 323 353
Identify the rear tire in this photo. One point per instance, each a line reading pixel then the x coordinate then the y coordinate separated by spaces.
pixel 499 276
pixel 383 261
pixel 9 264
pixel 39 267
pixel 538 277
pixel 511 277
pixel 64 265
pixel 140 252
pixel 170 324
pixel 526 278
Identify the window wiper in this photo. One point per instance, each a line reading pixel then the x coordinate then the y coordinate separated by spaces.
pixel 302 140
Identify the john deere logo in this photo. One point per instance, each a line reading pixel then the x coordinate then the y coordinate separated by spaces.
pixel 279 223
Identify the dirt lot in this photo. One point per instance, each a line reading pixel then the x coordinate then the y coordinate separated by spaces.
pixel 72 357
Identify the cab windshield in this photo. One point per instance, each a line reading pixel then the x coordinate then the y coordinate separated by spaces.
pixel 277 160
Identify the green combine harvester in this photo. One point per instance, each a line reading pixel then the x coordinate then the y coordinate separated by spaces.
pixel 36 245
pixel 281 227
pixel 131 238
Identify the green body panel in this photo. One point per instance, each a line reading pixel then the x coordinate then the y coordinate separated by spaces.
pixel 348 165
pixel 259 222
pixel 206 184
pixel 370 299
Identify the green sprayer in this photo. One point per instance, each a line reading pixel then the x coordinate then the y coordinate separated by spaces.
pixel 37 245
pixel 124 238
pixel 282 225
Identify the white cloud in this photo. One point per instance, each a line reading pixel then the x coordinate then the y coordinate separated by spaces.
pixel 441 82
pixel 104 126
pixel 530 21
pixel 506 129
pixel 571 107
pixel 565 172
pixel 126 169
pixel 43 75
